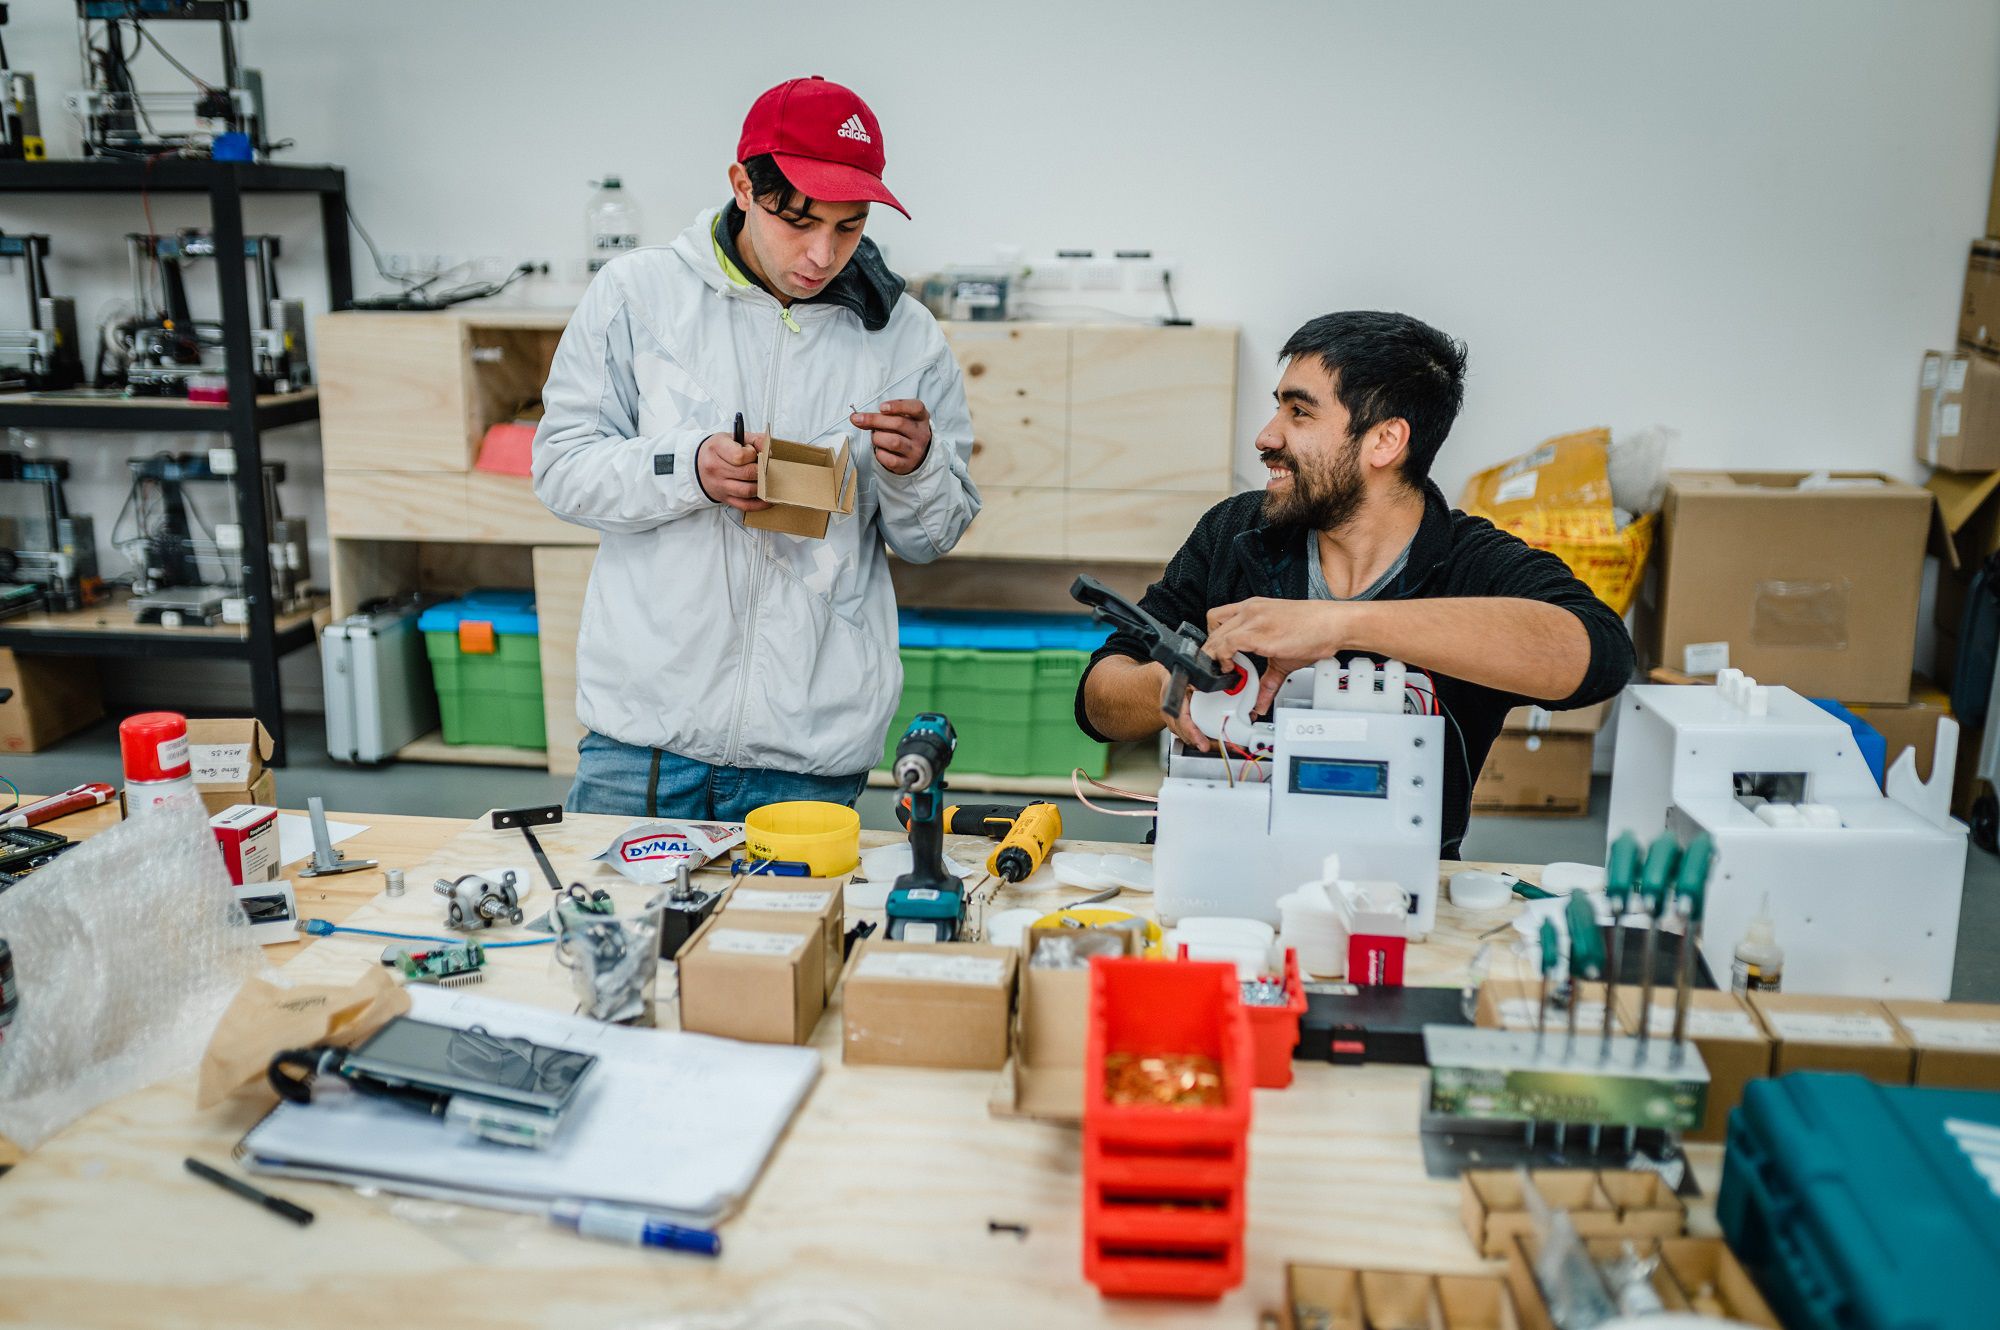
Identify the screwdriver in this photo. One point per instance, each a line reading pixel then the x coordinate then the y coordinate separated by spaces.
pixel 1690 897
pixel 1621 870
pixel 1586 959
pixel 1655 884
pixel 1551 957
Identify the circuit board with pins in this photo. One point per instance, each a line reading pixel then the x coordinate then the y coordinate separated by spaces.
pixel 450 965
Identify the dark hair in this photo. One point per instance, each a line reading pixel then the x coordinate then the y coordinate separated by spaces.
pixel 769 185
pixel 1389 367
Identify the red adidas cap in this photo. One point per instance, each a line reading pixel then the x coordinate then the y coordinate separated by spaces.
pixel 823 137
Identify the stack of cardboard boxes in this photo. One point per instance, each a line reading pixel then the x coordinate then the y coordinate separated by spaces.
pixel 1809 580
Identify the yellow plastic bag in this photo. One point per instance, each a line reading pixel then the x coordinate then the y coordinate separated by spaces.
pixel 1557 497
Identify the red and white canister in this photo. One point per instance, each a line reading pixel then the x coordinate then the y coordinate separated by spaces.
pixel 154 746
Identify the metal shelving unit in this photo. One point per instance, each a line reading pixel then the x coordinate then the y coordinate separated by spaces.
pixel 242 420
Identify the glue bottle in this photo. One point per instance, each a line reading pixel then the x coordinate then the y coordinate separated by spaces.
pixel 611 223
pixel 1760 961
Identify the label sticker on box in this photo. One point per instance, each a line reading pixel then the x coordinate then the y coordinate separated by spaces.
pixel 1818 1027
pixel 220 764
pixel 1954 375
pixel 1941 1032
pixel 1707 1024
pixel 781 902
pixel 1345 731
pixel 1525 1014
pixel 1932 363
pixel 1948 420
pixel 937 968
pixel 742 942
pixel 1704 657
pixel 1520 487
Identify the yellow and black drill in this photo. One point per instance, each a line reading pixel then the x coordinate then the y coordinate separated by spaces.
pixel 1026 833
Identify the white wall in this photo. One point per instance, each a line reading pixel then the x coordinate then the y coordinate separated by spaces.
pixel 1743 221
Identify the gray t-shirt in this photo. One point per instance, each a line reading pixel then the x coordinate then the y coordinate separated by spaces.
pixel 1317 589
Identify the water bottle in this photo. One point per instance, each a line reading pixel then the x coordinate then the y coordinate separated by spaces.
pixel 611 223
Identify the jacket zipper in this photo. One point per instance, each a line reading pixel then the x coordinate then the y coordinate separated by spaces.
pixel 757 576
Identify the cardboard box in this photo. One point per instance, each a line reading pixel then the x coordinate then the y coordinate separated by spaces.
pixel 1044 1078
pixel 54 697
pixel 1731 1040
pixel 1834 1034
pixel 1541 762
pixel 764 985
pixel 1964 532
pixel 1913 725
pixel 1688 1268
pixel 1810 585
pixel 1958 411
pixel 1347 1299
pixel 1957 1043
pixel 805 486
pixel 1515 1004
pixel 1493 1204
pixel 918 1004
pixel 248 837
pixel 1979 311
pixel 819 899
pixel 228 758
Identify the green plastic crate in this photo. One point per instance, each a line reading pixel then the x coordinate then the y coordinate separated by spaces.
pixel 1013 711
pixel 487 698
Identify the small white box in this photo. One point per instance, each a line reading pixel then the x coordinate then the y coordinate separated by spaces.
pixel 248 837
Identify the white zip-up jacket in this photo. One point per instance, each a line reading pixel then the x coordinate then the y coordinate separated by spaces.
pixel 700 636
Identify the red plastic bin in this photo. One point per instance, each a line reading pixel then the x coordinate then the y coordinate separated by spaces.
pixel 1275 1030
pixel 1163 1195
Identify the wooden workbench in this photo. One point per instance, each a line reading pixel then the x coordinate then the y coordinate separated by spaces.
pixel 879 1197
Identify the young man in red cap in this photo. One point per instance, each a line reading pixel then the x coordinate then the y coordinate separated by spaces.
pixel 720 667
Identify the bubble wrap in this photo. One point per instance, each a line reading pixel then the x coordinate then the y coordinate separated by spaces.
pixel 126 949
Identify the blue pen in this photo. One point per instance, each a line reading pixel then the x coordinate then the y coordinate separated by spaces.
pixel 634 1228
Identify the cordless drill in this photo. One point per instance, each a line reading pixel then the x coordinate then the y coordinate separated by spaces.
pixel 927 903
pixel 1026 833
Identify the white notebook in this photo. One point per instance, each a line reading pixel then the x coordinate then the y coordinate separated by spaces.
pixel 678 1124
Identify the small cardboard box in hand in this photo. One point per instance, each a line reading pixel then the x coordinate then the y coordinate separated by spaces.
pixel 805 485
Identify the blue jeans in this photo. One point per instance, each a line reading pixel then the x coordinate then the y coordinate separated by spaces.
pixel 624 779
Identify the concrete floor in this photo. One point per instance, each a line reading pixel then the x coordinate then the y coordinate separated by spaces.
pixel 430 789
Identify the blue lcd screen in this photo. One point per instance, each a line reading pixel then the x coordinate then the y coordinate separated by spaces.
pixel 1338 776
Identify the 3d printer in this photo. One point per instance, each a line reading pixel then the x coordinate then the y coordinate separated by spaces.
pixel 187 570
pixel 119 120
pixel 49 560
pixel 159 350
pixel 46 354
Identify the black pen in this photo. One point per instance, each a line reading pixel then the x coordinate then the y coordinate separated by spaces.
pixel 298 1214
pixel 739 429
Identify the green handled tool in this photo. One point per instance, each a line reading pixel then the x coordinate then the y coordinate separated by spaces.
pixel 1586 957
pixel 1690 901
pixel 1621 872
pixel 1656 882
pixel 1551 958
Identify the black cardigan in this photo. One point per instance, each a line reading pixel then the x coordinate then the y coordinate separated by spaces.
pixel 1232 556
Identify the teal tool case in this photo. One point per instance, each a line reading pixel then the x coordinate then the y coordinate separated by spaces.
pixel 1858 1206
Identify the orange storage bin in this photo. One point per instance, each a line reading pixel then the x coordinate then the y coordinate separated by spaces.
pixel 1163 1187
pixel 1274 1031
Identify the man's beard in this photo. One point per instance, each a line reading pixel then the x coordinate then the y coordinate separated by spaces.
pixel 1323 496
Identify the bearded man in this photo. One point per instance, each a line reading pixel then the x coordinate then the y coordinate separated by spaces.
pixel 1352 549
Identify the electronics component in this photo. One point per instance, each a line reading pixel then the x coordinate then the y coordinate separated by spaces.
pixel 326 860
pixel 162 347
pixel 686 910
pixel 473 902
pixel 516 1092
pixel 22 848
pixel 120 120
pixel 47 354
pixel 1865 879
pixel 20 113
pixel 927 904
pixel 1351 762
pixel 1355 1023
pixel 449 966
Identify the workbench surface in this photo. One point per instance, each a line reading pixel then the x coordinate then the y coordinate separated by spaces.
pixel 879 1197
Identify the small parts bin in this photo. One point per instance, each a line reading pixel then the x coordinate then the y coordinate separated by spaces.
pixel 486 660
pixel 1163 1186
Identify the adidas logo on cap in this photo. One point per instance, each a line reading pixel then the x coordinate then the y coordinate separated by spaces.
pixel 852 128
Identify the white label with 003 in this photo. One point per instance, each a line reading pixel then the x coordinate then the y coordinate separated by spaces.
pixel 1346 730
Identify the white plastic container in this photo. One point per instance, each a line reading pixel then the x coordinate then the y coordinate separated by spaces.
pixel 611 224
